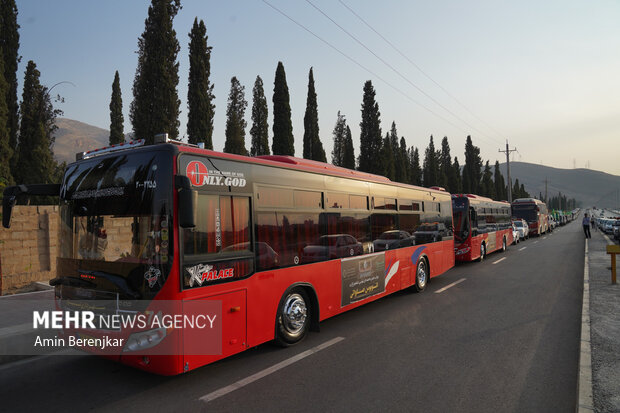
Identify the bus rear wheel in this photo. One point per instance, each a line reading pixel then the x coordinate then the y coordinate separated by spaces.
pixel 483 251
pixel 293 318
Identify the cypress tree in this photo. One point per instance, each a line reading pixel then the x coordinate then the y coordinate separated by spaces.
pixel 201 108
pixel 415 177
pixel 458 182
pixel 155 108
pixel 500 184
pixel 260 115
pixel 430 168
pixel 386 158
pixel 116 113
pixel 340 135
pixel 6 178
pixel 370 132
pixel 313 148
pixel 283 140
pixel 488 186
pixel 9 47
pixel 235 119
pixel 516 190
pixel 402 164
pixel 472 170
pixel 447 176
pixel 37 126
pixel 349 151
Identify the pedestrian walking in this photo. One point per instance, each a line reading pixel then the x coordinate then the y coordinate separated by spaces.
pixel 586 225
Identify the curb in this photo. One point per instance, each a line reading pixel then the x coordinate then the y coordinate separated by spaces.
pixel 585 401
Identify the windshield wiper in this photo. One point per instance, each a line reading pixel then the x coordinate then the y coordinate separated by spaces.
pixel 70 281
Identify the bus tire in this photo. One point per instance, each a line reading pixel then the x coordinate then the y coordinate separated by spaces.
pixel 421 275
pixel 483 252
pixel 293 318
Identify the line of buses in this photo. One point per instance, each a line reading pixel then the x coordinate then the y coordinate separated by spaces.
pixel 272 245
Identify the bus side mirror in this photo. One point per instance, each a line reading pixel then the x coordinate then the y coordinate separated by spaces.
pixel 187 201
pixel 9 198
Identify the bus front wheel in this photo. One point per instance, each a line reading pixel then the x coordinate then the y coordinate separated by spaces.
pixel 421 275
pixel 293 318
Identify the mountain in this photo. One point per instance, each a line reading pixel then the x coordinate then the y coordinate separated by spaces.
pixel 73 136
pixel 588 187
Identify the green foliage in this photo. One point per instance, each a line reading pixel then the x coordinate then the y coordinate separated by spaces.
pixel 201 108
pixel 447 174
pixel 386 158
pixel 6 152
pixel 313 148
pixel 472 170
pixel 235 119
pixel 155 108
pixel 340 135
pixel 260 115
pixel 349 151
pixel 402 163
pixel 500 184
pixel 430 168
pixel 38 117
pixel 458 181
pixel 283 140
pixel 518 191
pixel 370 132
pixel 9 48
pixel 116 113
pixel 487 185
pixel 561 203
pixel 415 171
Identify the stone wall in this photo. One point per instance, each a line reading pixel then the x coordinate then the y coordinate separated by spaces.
pixel 28 250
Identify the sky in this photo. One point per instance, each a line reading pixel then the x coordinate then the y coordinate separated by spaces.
pixel 540 75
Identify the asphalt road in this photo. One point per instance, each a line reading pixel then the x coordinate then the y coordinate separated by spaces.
pixel 505 337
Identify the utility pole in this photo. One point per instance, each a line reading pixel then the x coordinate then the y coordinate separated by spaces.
pixel 507 152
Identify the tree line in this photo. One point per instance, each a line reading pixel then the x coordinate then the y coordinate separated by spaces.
pixel 26 130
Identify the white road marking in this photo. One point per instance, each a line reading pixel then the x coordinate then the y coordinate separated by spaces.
pixel 521 249
pixel 441 290
pixel 500 260
pixel 543 238
pixel 536 242
pixel 248 380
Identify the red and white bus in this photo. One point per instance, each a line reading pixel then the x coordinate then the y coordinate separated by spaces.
pixel 481 226
pixel 534 211
pixel 276 243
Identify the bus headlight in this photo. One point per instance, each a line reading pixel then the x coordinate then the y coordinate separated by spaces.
pixel 144 339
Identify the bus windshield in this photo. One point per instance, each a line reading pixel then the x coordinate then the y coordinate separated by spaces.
pixel 527 212
pixel 460 217
pixel 116 224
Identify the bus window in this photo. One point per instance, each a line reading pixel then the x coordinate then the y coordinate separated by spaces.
pixel 222 222
pixel 287 235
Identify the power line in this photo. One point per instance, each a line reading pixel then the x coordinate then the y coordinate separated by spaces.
pixel 420 69
pixel 362 66
pixel 395 70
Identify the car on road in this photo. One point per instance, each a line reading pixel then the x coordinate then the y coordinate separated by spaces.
pixel 616 230
pixel 516 237
pixel 522 228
